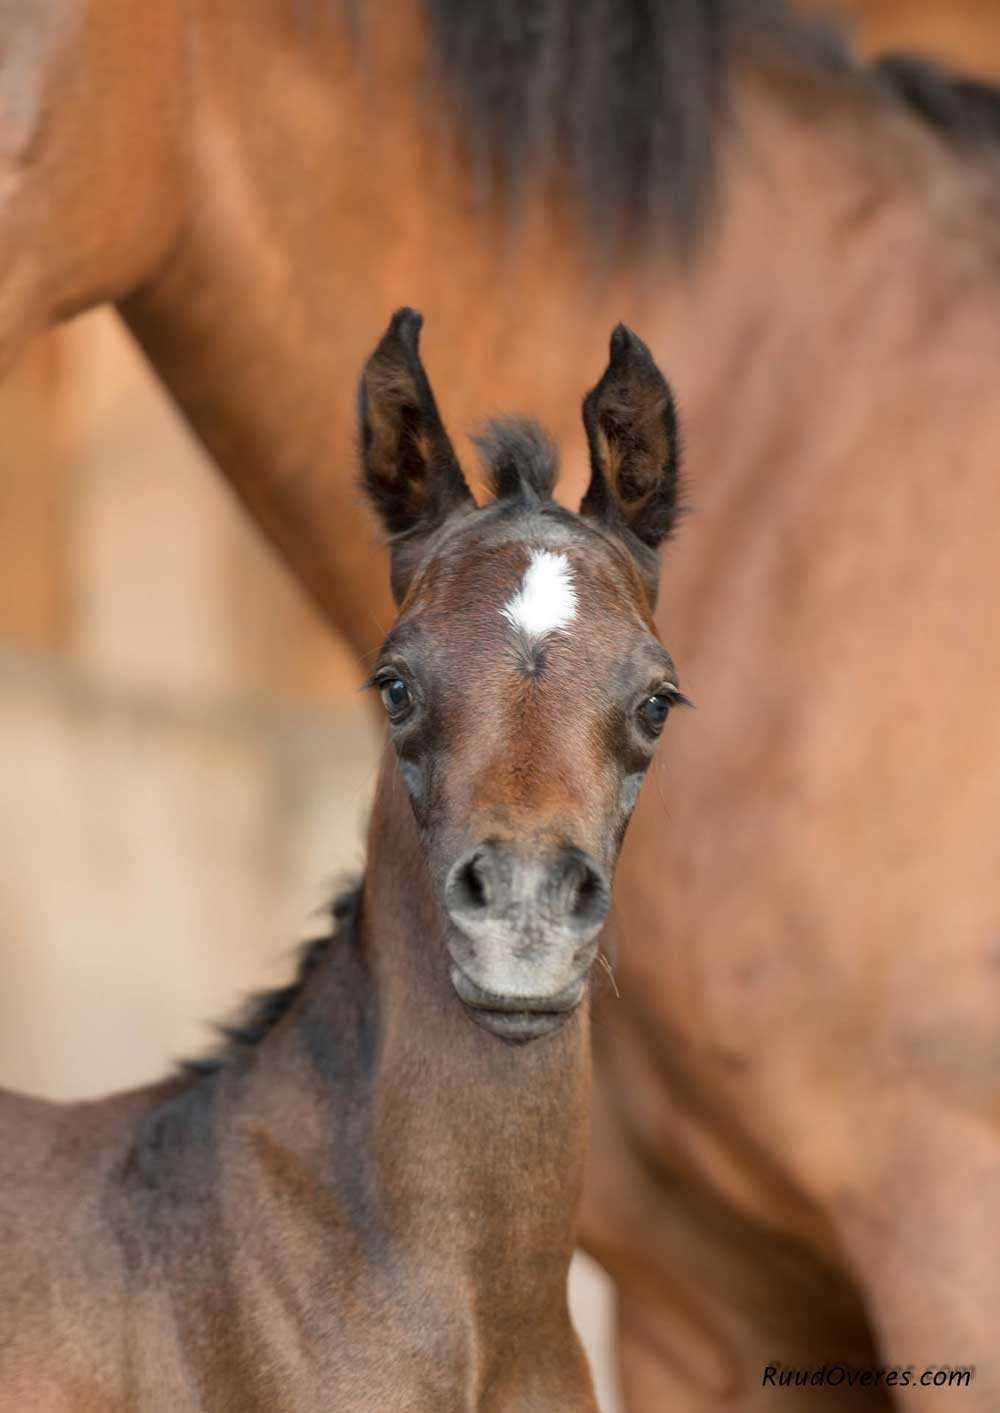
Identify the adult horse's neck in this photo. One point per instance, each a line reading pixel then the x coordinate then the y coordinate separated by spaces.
pixel 850 227
pixel 92 98
pixel 255 258
pixel 272 298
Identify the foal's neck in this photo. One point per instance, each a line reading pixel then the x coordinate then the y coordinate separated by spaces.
pixel 480 1144
pixel 431 1135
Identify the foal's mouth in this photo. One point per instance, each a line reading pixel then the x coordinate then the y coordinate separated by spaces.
pixel 517 1018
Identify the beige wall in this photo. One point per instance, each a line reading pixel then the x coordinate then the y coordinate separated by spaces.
pixel 183 751
pixel 121 548
pixel 158 862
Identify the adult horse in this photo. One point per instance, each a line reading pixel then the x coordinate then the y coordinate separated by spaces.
pixel 797 1118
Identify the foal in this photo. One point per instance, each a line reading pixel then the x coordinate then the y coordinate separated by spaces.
pixel 368 1201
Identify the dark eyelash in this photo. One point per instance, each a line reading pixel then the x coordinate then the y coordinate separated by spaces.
pixel 379 677
pixel 677 697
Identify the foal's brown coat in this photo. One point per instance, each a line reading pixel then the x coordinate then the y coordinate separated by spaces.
pixel 798 1113
pixel 369 1203
pixel 331 1220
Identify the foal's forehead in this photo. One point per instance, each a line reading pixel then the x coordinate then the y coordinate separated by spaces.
pixel 532 576
pixel 503 601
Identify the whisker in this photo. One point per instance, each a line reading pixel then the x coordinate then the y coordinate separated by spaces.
pixel 657 774
pixel 380 626
pixel 611 975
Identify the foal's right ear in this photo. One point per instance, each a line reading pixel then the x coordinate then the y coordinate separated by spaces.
pixel 409 468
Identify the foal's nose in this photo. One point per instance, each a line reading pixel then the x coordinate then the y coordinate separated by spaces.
pixel 527 896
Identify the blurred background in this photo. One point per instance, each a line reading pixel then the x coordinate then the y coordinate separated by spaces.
pixel 184 757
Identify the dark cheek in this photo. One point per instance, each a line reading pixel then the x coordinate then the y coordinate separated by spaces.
pixel 623 746
pixel 612 810
pixel 422 780
pixel 425 784
pixel 417 751
pixel 414 776
pixel 630 782
pixel 631 786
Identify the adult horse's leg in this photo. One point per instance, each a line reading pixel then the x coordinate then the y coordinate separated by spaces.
pixel 919 1237
pixel 655 1373
pixel 91 98
pixel 726 1280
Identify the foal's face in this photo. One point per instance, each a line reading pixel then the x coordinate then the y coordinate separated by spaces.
pixel 523 683
pixel 525 691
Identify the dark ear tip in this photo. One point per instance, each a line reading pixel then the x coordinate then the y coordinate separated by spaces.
pixel 628 347
pixel 405 325
pixel 621 338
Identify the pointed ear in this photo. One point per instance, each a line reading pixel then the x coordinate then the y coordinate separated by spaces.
pixel 409 468
pixel 634 450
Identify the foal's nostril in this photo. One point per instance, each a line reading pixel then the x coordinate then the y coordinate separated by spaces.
pixel 584 893
pixel 469 887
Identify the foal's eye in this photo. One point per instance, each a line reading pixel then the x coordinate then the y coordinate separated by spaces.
pixel 654 711
pixel 396 697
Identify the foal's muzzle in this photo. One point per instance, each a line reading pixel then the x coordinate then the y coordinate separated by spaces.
pixel 526 922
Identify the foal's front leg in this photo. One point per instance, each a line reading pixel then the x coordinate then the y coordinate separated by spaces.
pixel 552 1379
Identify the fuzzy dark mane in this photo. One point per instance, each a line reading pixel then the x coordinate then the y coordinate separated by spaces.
pixel 620 97
pixel 520 459
pixel 264 1010
pixel 625 101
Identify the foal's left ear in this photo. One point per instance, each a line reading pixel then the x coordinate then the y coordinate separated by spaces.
pixel 634 450
pixel 409 468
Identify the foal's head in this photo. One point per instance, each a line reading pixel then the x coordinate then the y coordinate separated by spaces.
pixel 523 682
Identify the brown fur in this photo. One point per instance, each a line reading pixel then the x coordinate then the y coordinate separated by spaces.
pixel 327 1220
pixel 797 1124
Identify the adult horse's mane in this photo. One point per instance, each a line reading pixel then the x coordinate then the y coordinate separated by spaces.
pixel 624 101
pixel 625 97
